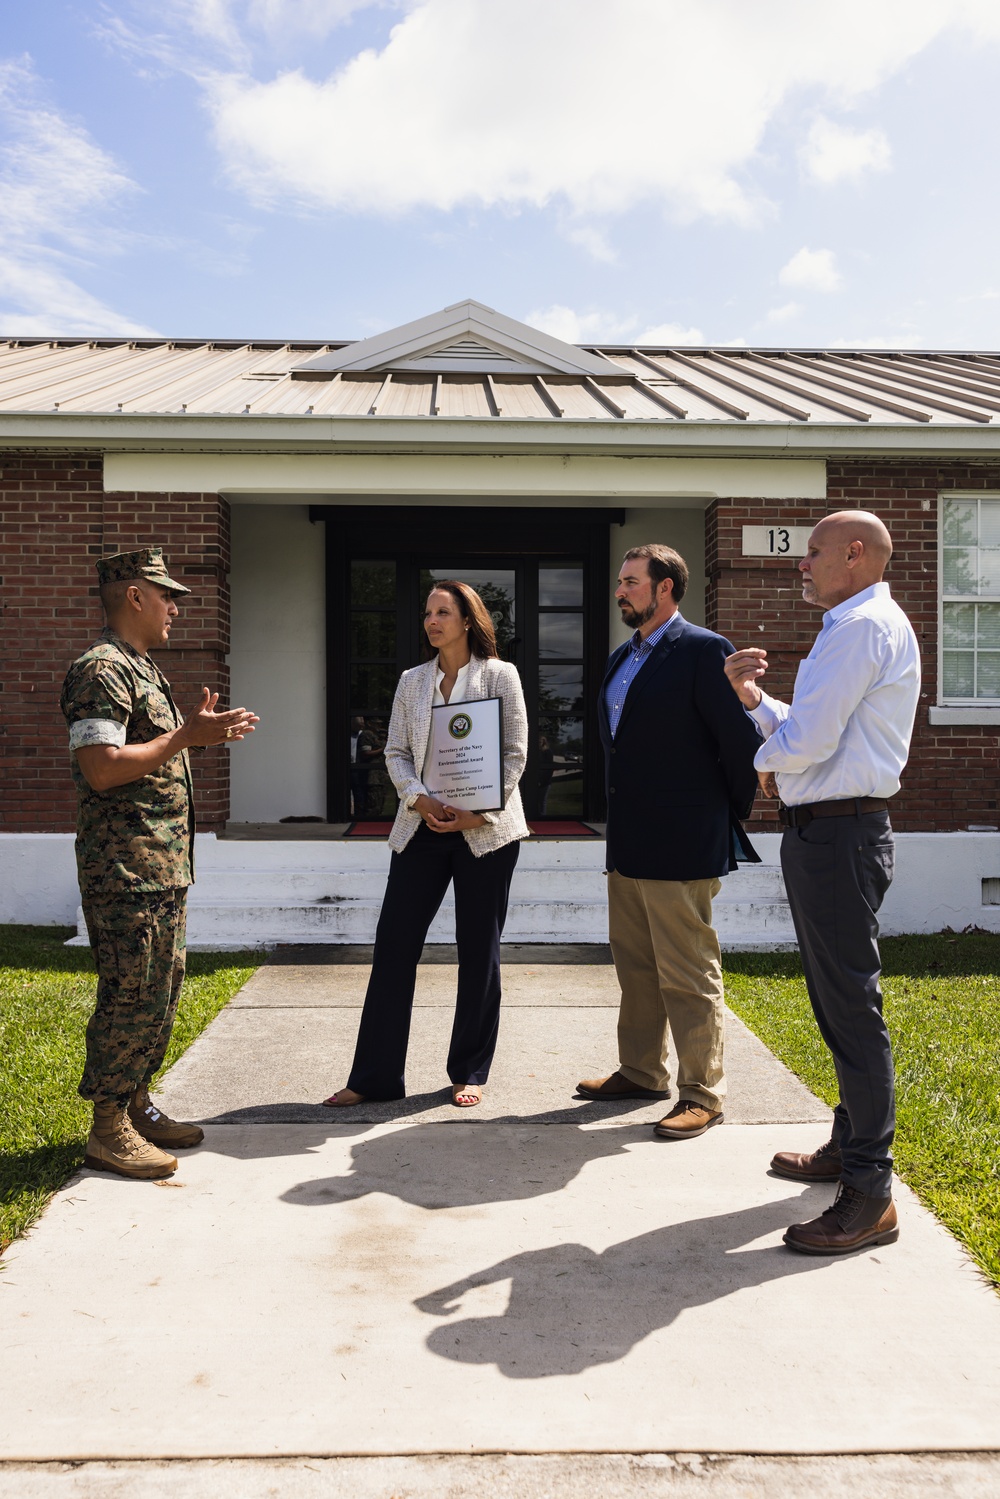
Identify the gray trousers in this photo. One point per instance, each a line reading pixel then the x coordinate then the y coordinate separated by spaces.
pixel 837 871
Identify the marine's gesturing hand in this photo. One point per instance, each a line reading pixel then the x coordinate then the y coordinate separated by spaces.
pixel 203 726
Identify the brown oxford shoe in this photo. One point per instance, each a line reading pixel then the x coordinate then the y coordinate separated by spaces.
pixel 853 1221
pixel 610 1089
pixel 824 1165
pixel 687 1120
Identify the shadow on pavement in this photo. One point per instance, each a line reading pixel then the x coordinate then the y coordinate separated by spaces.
pixel 439 1166
pixel 572 1309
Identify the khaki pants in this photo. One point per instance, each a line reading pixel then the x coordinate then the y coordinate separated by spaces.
pixel 669 966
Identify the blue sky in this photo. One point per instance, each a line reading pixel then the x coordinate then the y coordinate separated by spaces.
pixel 777 173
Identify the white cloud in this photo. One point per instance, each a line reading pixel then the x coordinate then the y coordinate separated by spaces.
pixel 880 341
pixel 224 33
pixel 670 335
pixel 811 270
pixel 607 327
pixel 593 241
pixel 580 327
pixel 471 103
pixel 833 153
pixel 57 187
pixel 50 303
pixel 783 314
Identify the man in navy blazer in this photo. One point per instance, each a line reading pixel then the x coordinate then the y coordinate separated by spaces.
pixel 679 752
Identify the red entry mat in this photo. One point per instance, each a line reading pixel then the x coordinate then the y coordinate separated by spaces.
pixel 562 830
pixel 540 829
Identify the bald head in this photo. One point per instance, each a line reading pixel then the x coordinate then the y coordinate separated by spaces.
pixel 865 528
pixel 847 552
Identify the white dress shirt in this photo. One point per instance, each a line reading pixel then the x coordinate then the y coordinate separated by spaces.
pixel 457 696
pixel 847 730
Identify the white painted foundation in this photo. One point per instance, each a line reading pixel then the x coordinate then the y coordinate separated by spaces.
pixel 258 894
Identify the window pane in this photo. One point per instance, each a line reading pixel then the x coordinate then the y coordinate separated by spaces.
pixel 373 584
pixel 989 523
pixel 560 585
pixel 959 625
pixel 373 635
pixel 959 570
pixel 560 766
pixel 372 689
pixel 560 635
pixel 960 523
pixel 988 674
pixel 561 687
pixel 987 626
pixel 958 674
pixel 989 570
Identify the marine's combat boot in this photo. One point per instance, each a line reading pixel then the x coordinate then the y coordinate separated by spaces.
pixel 157 1127
pixel 114 1145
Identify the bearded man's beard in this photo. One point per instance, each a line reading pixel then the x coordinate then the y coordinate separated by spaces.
pixel 635 618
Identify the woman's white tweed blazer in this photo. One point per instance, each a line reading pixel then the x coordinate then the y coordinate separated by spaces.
pixel 406 746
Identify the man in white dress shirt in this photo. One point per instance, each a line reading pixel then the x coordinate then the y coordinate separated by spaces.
pixel 834 757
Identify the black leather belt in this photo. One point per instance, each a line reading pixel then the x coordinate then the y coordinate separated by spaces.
pixel 855 806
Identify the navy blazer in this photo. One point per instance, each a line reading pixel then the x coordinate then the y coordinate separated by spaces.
pixel 680 773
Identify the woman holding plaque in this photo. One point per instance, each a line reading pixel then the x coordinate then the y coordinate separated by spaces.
pixel 435 843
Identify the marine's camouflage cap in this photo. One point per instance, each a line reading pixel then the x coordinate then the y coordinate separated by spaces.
pixel 135 567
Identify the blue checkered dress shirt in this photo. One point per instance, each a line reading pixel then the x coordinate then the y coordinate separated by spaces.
pixel 634 658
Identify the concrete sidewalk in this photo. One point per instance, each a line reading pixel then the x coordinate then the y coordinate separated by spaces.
pixel 539 1275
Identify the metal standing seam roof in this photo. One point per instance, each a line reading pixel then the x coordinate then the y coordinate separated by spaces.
pixel 661 385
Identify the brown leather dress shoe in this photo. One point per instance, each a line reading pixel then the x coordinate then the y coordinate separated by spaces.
pixel 823 1165
pixel 687 1120
pixel 610 1089
pixel 853 1221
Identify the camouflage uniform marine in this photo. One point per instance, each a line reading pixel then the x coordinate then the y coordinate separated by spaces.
pixel 134 851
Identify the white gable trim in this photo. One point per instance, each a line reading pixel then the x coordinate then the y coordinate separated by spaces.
pixel 418 340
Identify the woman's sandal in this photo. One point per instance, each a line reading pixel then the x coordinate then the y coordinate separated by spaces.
pixel 344 1098
pixel 472 1093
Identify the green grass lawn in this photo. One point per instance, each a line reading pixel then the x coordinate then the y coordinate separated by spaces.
pixel 942 1003
pixel 46 996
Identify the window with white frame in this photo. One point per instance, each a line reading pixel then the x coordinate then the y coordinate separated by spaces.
pixel 970 610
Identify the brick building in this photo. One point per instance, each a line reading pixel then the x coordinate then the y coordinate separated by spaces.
pixel 308 494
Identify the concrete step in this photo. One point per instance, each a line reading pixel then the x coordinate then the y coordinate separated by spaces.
pixel 298 886
pixel 261 894
pixel 531 882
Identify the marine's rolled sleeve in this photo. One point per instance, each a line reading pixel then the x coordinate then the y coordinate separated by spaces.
pixel 87 731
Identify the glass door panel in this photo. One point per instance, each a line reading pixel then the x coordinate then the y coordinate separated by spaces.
pixel 559 682
pixel 372 677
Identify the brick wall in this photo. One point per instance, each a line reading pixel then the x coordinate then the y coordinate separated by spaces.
pixel 55 521
pixel 952 776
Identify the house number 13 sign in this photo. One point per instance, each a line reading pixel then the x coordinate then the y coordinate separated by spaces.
pixel 776 540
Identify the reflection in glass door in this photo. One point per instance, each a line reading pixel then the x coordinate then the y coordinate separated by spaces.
pixel 560 734
pixel 373 675
pixel 496 586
